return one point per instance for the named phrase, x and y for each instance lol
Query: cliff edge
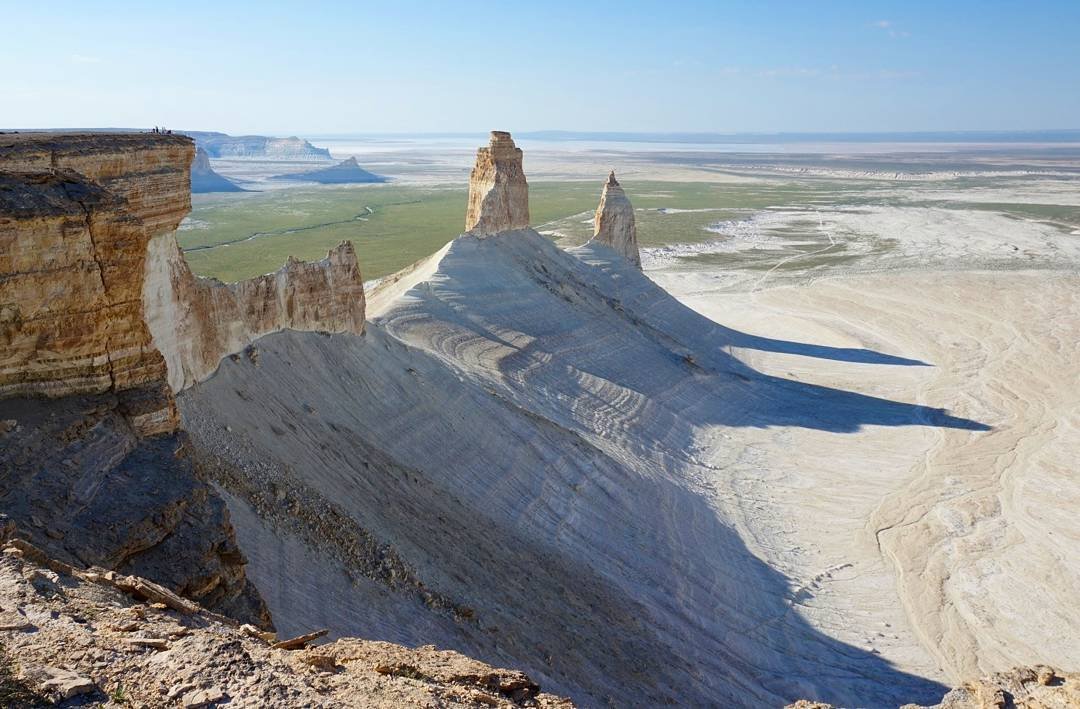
(101, 321)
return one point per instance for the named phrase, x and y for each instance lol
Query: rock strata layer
(197, 321)
(498, 192)
(100, 320)
(80, 482)
(613, 225)
(76, 215)
(89, 258)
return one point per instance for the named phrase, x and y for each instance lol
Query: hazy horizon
(1044, 135)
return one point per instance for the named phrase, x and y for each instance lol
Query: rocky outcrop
(79, 481)
(498, 192)
(613, 225)
(76, 215)
(198, 321)
(257, 147)
(90, 258)
(149, 171)
(204, 179)
(1038, 686)
(346, 172)
(89, 636)
(98, 314)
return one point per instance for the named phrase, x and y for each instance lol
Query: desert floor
(950, 552)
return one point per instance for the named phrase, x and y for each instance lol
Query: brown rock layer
(76, 215)
(98, 473)
(89, 259)
(613, 225)
(150, 171)
(498, 192)
(197, 321)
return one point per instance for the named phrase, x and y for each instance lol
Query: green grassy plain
(235, 236)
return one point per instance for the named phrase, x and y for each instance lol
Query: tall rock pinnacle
(614, 222)
(498, 192)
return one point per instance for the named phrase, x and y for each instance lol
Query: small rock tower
(613, 225)
(498, 192)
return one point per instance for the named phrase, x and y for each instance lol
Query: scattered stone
(1046, 676)
(219, 663)
(156, 643)
(252, 632)
(179, 690)
(61, 683)
(203, 697)
(323, 663)
(300, 640)
(159, 596)
(1039, 686)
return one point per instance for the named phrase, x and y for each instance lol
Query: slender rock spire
(613, 225)
(498, 192)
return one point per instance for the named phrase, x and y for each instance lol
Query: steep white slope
(535, 435)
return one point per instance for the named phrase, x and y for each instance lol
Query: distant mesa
(345, 172)
(204, 179)
(256, 147)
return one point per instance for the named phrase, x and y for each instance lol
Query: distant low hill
(345, 172)
(261, 147)
(204, 179)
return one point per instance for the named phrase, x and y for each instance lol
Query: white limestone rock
(613, 225)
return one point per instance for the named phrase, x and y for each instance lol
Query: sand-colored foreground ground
(950, 552)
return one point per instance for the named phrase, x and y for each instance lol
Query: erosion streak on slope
(546, 427)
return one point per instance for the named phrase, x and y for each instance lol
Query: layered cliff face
(197, 321)
(148, 170)
(98, 314)
(613, 225)
(76, 215)
(498, 192)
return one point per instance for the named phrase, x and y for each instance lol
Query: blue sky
(353, 67)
